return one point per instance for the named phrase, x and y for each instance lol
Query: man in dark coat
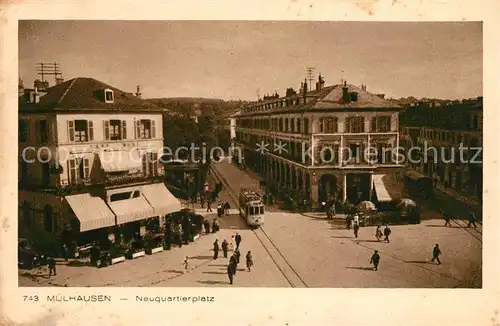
(237, 255)
(447, 218)
(231, 271)
(216, 249)
(375, 260)
(435, 254)
(206, 224)
(224, 247)
(387, 233)
(237, 239)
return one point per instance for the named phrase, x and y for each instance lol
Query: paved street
(324, 254)
(297, 250)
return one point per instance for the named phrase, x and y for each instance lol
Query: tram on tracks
(251, 207)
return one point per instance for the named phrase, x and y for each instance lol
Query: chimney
(320, 84)
(138, 94)
(304, 94)
(346, 97)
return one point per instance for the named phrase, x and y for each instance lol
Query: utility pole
(49, 69)
(310, 75)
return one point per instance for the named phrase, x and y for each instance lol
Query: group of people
(436, 252)
(223, 209)
(234, 260)
(471, 218)
(214, 227)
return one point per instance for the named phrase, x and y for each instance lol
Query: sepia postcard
(292, 163)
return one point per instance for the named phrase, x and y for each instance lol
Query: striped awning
(161, 199)
(131, 210)
(380, 189)
(91, 212)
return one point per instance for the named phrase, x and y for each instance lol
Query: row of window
(325, 125)
(449, 136)
(276, 104)
(83, 130)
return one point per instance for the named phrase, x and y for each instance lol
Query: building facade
(89, 159)
(439, 132)
(332, 142)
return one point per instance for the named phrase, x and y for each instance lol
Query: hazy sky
(235, 60)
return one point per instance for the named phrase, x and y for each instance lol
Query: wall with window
(352, 122)
(99, 128)
(37, 129)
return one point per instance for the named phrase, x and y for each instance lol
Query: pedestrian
(237, 256)
(231, 271)
(447, 218)
(52, 266)
(348, 221)
(224, 248)
(206, 224)
(227, 207)
(65, 252)
(232, 260)
(356, 229)
(209, 209)
(231, 243)
(216, 249)
(356, 218)
(219, 210)
(435, 254)
(216, 226)
(375, 260)
(387, 233)
(202, 199)
(472, 219)
(237, 238)
(249, 260)
(378, 233)
(186, 264)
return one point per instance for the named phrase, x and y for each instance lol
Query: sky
(240, 60)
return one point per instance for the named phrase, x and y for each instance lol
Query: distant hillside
(196, 106)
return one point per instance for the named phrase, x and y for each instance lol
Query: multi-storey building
(438, 132)
(334, 141)
(89, 159)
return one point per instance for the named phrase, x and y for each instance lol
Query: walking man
(224, 248)
(237, 239)
(472, 219)
(435, 254)
(209, 209)
(237, 255)
(375, 260)
(65, 252)
(52, 266)
(447, 219)
(186, 264)
(231, 270)
(249, 260)
(356, 229)
(216, 249)
(387, 233)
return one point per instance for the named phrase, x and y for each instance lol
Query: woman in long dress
(249, 260)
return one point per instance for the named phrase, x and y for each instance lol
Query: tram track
(285, 268)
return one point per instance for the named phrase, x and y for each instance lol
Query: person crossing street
(435, 254)
(375, 260)
(216, 249)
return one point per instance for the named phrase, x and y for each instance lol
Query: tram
(251, 207)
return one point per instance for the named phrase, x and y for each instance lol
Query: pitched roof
(331, 98)
(83, 94)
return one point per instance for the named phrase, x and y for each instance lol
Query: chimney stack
(346, 97)
(138, 94)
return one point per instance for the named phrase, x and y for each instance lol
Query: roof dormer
(109, 95)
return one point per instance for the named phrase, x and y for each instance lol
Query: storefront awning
(92, 212)
(120, 161)
(161, 199)
(380, 189)
(131, 210)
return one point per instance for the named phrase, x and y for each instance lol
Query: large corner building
(317, 142)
